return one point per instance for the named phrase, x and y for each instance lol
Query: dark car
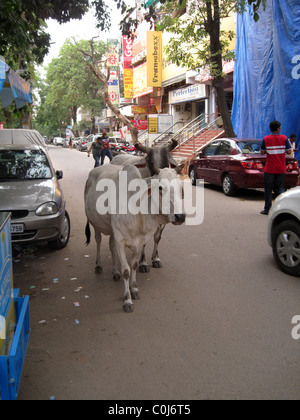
(236, 163)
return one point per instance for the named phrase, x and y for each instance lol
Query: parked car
(236, 163)
(284, 231)
(58, 141)
(30, 191)
(82, 145)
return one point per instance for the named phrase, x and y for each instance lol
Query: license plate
(17, 228)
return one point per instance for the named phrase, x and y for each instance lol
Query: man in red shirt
(275, 146)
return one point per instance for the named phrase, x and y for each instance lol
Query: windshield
(246, 147)
(24, 165)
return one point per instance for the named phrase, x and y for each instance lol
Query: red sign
(1, 126)
(141, 124)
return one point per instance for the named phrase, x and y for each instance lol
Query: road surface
(214, 323)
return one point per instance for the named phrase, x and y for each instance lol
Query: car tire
(286, 247)
(64, 236)
(228, 186)
(193, 176)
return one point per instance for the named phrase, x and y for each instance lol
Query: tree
(98, 65)
(70, 85)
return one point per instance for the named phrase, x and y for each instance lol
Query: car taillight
(250, 164)
(292, 166)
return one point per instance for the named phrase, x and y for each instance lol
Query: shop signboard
(154, 58)
(190, 93)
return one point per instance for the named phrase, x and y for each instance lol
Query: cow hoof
(156, 264)
(98, 269)
(117, 277)
(144, 268)
(128, 307)
(135, 295)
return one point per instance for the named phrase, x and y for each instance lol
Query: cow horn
(172, 145)
(154, 169)
(179, 168)
(141, 148)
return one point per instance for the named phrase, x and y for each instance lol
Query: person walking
(275, 146)
(96, 147)
(292, 140)
(105, 147)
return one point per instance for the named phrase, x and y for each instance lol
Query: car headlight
(47, 209)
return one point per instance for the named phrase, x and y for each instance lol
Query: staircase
(189, 149)
(193, 136)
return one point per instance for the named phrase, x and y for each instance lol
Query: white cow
(127, 230)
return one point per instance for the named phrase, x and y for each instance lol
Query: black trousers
(273, 182)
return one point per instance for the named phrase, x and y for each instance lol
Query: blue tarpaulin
(13, 87)
(267, 71)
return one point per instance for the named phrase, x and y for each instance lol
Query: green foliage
(68, 86)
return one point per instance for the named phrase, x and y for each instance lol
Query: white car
(284, 231)
(58, 141)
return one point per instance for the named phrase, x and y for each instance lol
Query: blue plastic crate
(11, 365)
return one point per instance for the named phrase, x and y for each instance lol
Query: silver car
(284, 231)
(30, 190)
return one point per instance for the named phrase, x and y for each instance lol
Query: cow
(131, 230)
(159, 157)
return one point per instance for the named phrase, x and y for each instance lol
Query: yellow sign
(153, 124)
(140, 87)
(128, 83)
(154, 59)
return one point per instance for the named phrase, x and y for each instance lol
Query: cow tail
(88, 233)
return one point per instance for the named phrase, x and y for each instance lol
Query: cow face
(158, 156)
(167, 195)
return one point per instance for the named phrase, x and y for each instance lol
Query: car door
(203, 166)
(219, 161)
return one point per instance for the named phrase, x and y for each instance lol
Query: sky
(81, 29)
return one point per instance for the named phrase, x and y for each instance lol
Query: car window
(223, 149)
(246, 147)
(211, 149)
(24, 165)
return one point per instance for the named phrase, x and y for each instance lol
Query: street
(214, 323)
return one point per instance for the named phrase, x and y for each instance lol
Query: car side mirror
(59, 174)
(200, 155)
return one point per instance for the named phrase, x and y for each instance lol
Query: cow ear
(172, 145)
(179, 168)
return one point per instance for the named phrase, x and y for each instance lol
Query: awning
(13, 87)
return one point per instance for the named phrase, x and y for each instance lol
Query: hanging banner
(113, 52)
(113, 63)
(154, 59)
(128, 71)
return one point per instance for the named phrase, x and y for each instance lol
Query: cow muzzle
(179, 219)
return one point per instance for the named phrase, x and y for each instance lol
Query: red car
(236, 163)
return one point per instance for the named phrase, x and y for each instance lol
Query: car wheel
(193, 176)
(229, 188)
(286, 247)
(64, 236)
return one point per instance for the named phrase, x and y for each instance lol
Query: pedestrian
(275, 146)
(292, 140)
(96, 147)
(105, 147)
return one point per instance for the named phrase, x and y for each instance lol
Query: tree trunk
(213, 28)
(223, 107)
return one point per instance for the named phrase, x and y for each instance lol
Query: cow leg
(157, 237)
(133, 284)
(98, 239)
(144, 268)
(116, 270)
(125, 273)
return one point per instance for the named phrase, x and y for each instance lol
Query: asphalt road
(214, 323)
